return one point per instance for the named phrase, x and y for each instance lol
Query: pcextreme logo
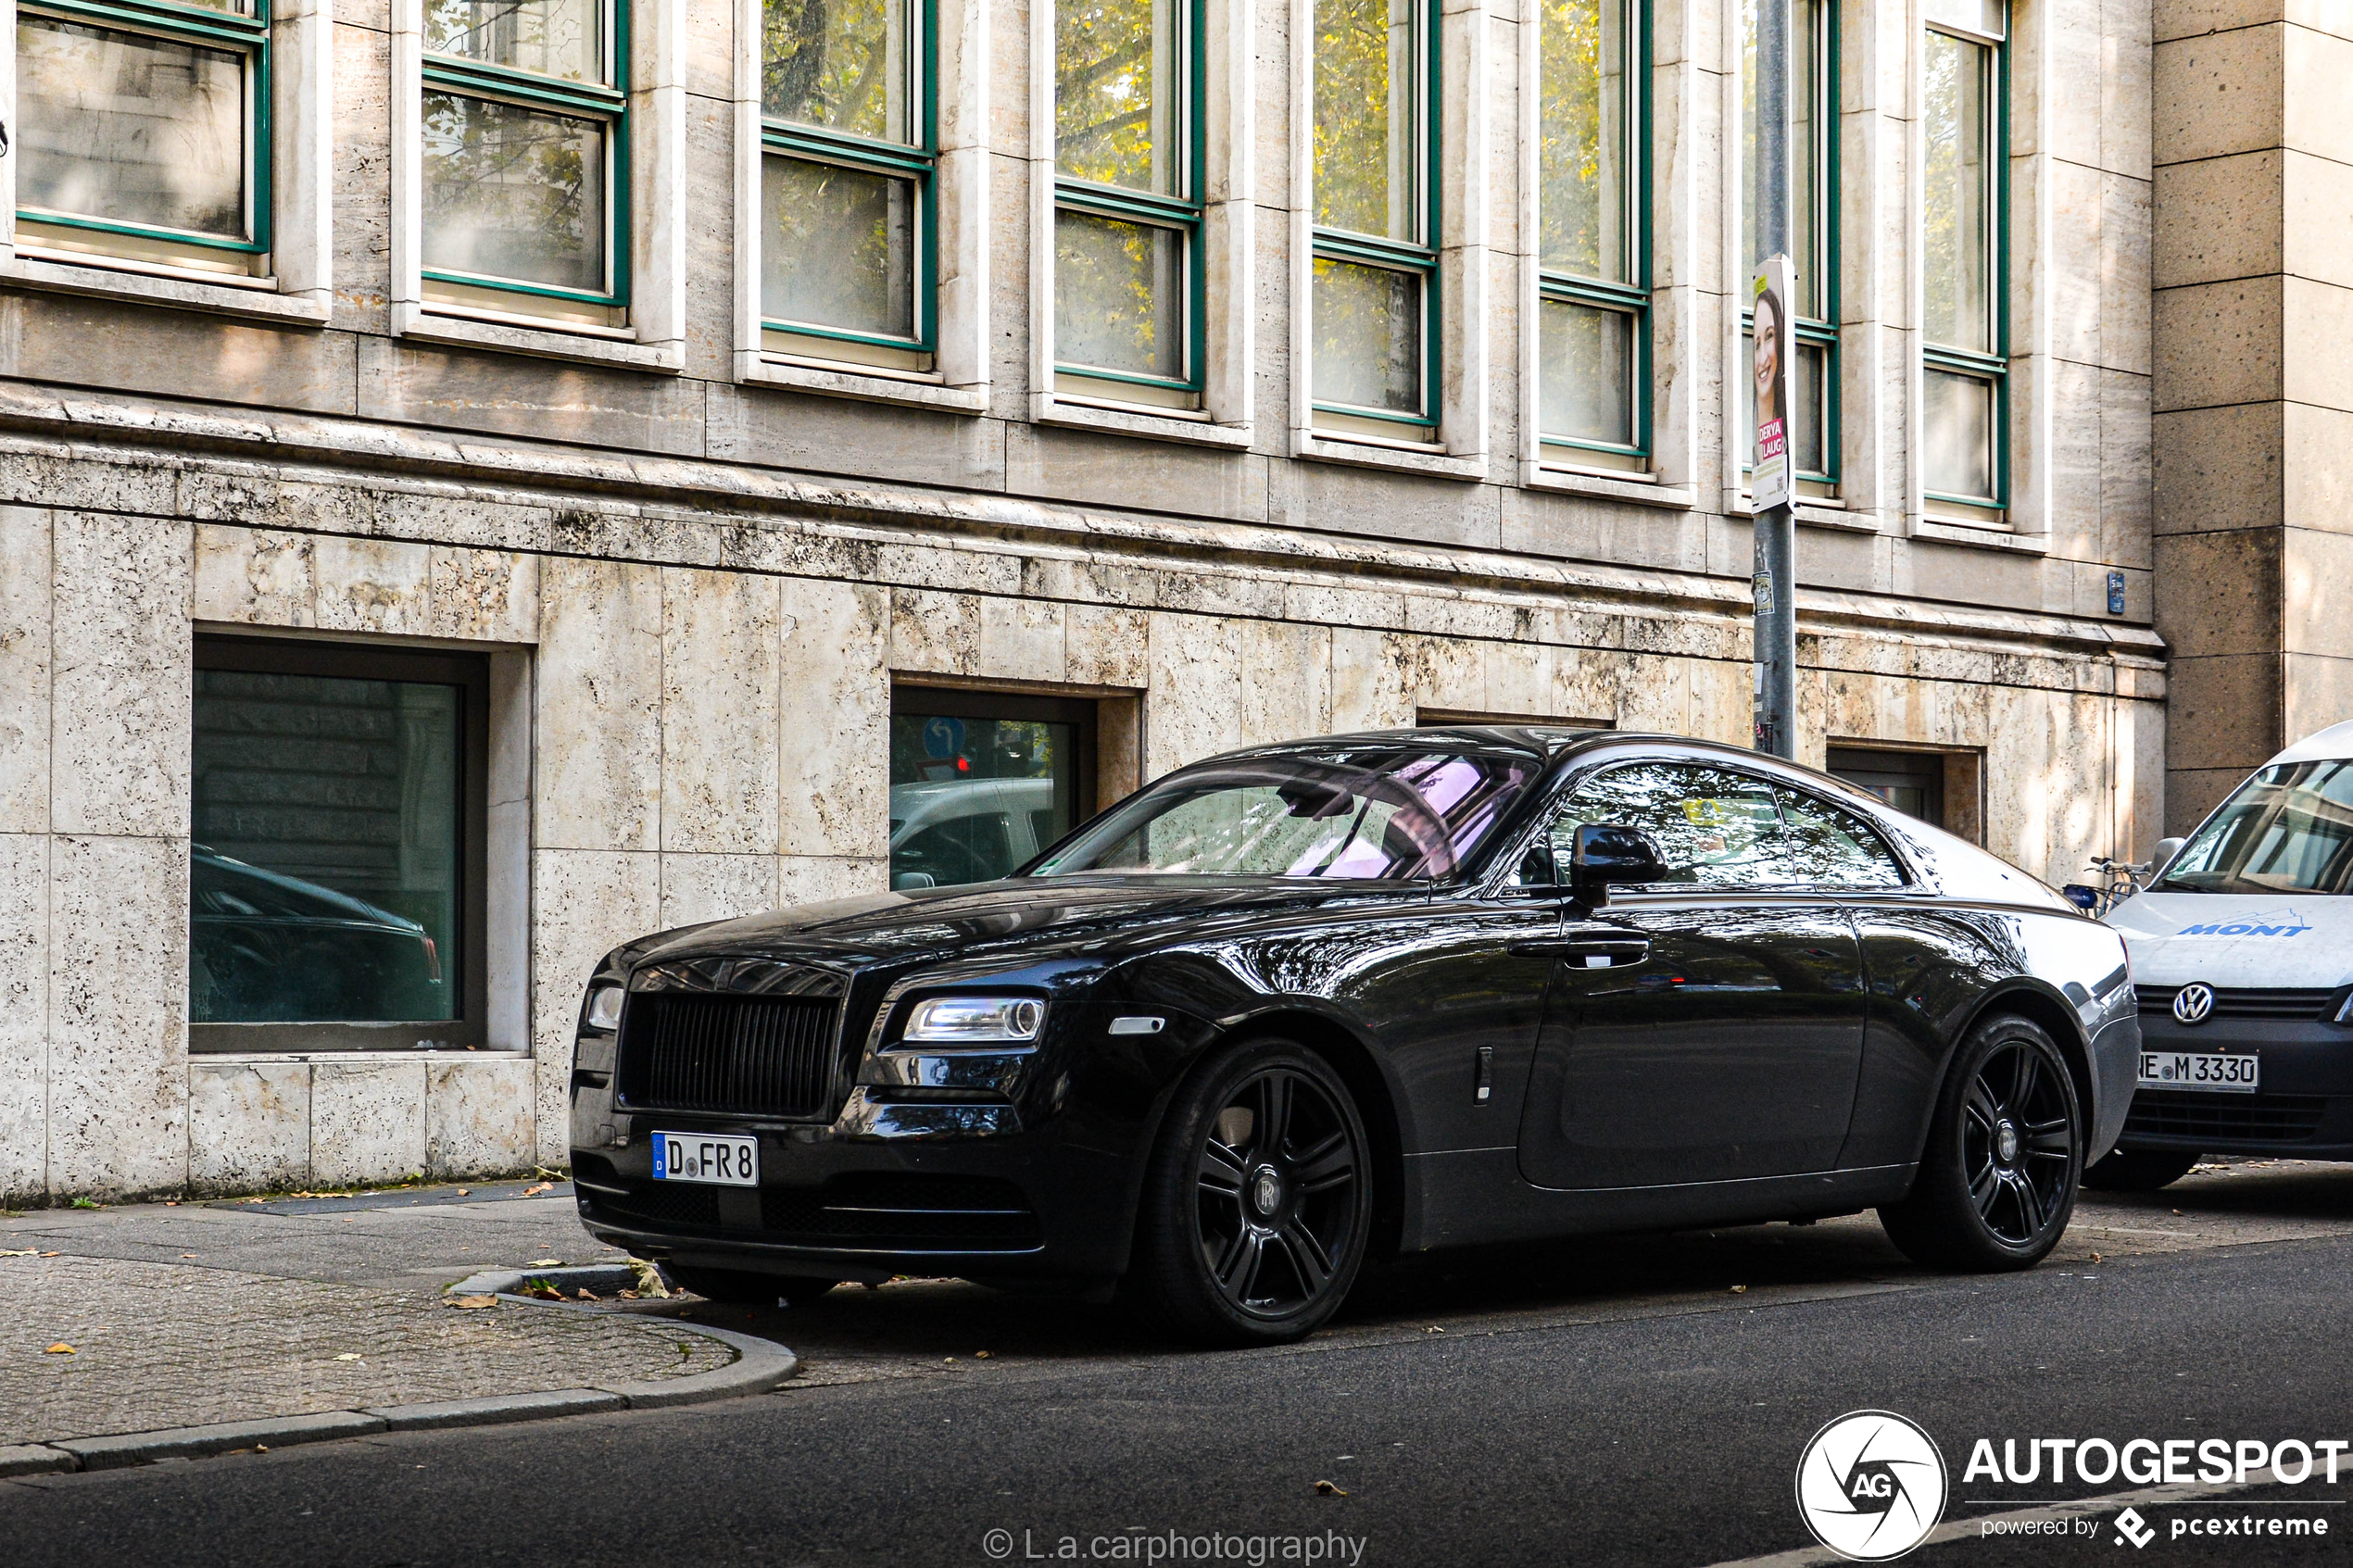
(1871, 1486)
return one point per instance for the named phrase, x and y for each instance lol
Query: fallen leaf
(1330, 1489)
(60, 1348)
(542, 1186)
(261, 1448)
(2097, 1258)
(980, 1355)
(475, 1303)
(588, 1294)
(49, 1254)
(1433, 1328)
(950, 1359)
(629, 1296)
(465, 1192)
(1740, 1290)
(540, 1290)
(347, 1356)
(187, 1254)
(19, 1252)
(545, 1263)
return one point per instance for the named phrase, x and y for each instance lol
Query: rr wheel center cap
(1267, 1190)
(2006, 1143)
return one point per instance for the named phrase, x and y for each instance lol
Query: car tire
(1256, 1206)
(2004, 1153)
(2133, 1170)
(746, 1287)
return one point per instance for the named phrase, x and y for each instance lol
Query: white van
(2242, 953)
(956, 830)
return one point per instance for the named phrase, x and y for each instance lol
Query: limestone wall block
(100, 482)
(1336, 604)
(118, 1007)
(961, 571)
(1193, 703)
(833, 730)
(659, 537)
(120, 675)
(1022, 640)
(934, 633)
(25, 595)
(696, 889)
(599, 691)
(478, 1116)
(373, 586)
(491, 595)
(1211, 591)
(1106, 647)
(253, 576)
(719, 711)
(248, 1126)
(585, 904)
(24, 1015)
(1087, 580)
(366, 1119)
(1520, 681)
(1285, 685)
(822, 878)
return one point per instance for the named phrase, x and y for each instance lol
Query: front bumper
(2303, 1110)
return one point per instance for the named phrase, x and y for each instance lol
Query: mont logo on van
(2238, 928)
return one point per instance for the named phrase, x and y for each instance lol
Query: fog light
(975, 1020)
(603, 1012)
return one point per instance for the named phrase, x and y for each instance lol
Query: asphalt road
(1610, 1402)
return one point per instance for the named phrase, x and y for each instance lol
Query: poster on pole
(1776, 336)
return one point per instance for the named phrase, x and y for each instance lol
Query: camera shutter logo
(1871, 1486)
(2193, 1003)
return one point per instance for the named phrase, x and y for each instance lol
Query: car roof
(2331, 745)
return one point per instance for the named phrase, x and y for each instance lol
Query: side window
(1828, 847)
(1712, 826)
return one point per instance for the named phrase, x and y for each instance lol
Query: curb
(760, 1365)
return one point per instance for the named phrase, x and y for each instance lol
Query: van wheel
(2004, 1153)
(2132, 1170)
(1257, 1205)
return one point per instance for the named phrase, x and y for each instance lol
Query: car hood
(2294, 941)
(1102, 912)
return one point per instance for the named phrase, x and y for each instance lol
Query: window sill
(1045, 409)
(1612, 487)
(161, 285)
(1982, 538)
(1431, 459)
(866, 383)
(412, 320)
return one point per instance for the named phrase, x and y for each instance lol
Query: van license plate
(716, 1158)
(2234, 1072)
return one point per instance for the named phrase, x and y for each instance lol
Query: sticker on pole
(1776, 334)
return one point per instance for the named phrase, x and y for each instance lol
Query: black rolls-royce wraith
(1303, 1005)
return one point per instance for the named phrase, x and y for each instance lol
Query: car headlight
(603, 1012)
(959, 1021)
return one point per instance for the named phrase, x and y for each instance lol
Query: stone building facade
(2253, 269)
(688, 563)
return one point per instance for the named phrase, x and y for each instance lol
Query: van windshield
(1381, 813)
(2289, 829)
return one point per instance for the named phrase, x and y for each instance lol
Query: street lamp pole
(1775, 583)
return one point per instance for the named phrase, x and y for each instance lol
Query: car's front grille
(2244, 1001)
(877, 1213)
(741, 1055)
(2224, 1118)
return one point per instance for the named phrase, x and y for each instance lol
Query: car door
(1705, 1029)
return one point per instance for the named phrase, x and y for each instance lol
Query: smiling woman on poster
(1769, 360)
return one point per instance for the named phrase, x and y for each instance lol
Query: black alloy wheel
(1258, 1202)
(2138, 1170)
(1997, 1180)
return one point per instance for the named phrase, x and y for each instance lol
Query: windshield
(1385, 813)
(2289, 829)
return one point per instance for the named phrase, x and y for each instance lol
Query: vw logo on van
(2193, 1003)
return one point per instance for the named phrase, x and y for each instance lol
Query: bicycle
(2115, 881)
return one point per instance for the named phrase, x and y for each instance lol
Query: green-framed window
(1963, 232)
(1592, 239)
(524, 163)
(1813, 231)
(1128, 283)
(142, 130)
(848, 180)
(1374, 305)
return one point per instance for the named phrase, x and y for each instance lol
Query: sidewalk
(199, 1314)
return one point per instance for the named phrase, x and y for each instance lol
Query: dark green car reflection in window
(323, 881)
(972, 798)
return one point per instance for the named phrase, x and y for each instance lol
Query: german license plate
(2228, 1072)
(716, 1158)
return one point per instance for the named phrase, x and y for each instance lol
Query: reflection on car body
(958, 831)
(1292, 1008)
(270, 948)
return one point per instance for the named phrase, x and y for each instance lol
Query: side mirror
(907, 880)
(1605, 853)
(2162, 855)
